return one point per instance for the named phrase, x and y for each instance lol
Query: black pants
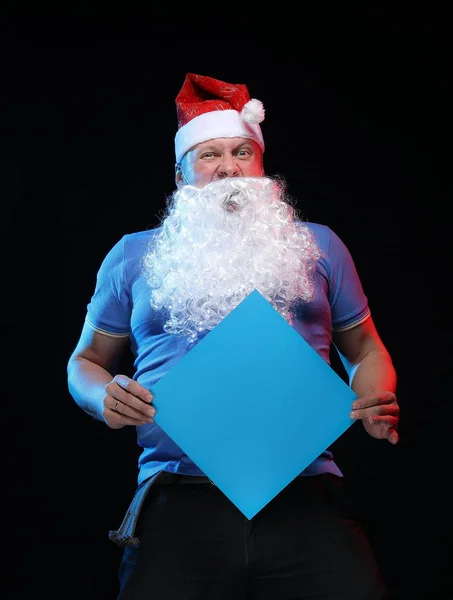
(307, 543)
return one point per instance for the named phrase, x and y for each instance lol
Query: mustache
(229, 196)
(231, 203)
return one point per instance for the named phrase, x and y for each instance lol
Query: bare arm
(116, 400)
(374, 381)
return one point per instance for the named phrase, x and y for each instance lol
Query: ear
(178, 176)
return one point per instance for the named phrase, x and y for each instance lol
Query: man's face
(220, 158)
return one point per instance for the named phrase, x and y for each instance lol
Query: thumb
(392, 436)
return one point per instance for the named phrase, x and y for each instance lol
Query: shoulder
(126, 254)
(318, 229)
(334, 252)
(140, 237)
(323, 234)
(135, 243)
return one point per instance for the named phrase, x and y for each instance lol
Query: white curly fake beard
(219, 243)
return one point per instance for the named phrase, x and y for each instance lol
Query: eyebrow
(235, 148)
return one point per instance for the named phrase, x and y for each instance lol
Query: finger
(392, 436)
(388, 425)
(134, 388)
(126, 410)
(130, 405)
(374, 400)
(124, 389)
(384, 410)
(389, 420)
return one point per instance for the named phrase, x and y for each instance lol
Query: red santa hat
(208, 108)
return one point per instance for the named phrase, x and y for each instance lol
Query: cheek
(202, 174)
(253, 169)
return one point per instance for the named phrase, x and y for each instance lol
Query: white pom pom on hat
(253, 111)
(209, 108)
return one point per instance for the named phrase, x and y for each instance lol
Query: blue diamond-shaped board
(252, 404)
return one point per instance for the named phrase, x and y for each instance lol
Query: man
(229, 230)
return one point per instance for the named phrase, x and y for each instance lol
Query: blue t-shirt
(120, 306)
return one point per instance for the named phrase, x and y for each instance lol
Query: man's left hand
(379, 414)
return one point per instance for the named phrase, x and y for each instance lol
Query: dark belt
(166, 478)
(124, 535)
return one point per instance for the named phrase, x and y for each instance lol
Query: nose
(228, 167)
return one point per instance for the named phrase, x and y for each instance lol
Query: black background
(358, 120)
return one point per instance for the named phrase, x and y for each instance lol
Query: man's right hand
(127, 403)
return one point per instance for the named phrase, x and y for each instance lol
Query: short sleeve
(347, 299)
(109, 309)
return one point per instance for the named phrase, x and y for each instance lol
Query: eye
(207, 155)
